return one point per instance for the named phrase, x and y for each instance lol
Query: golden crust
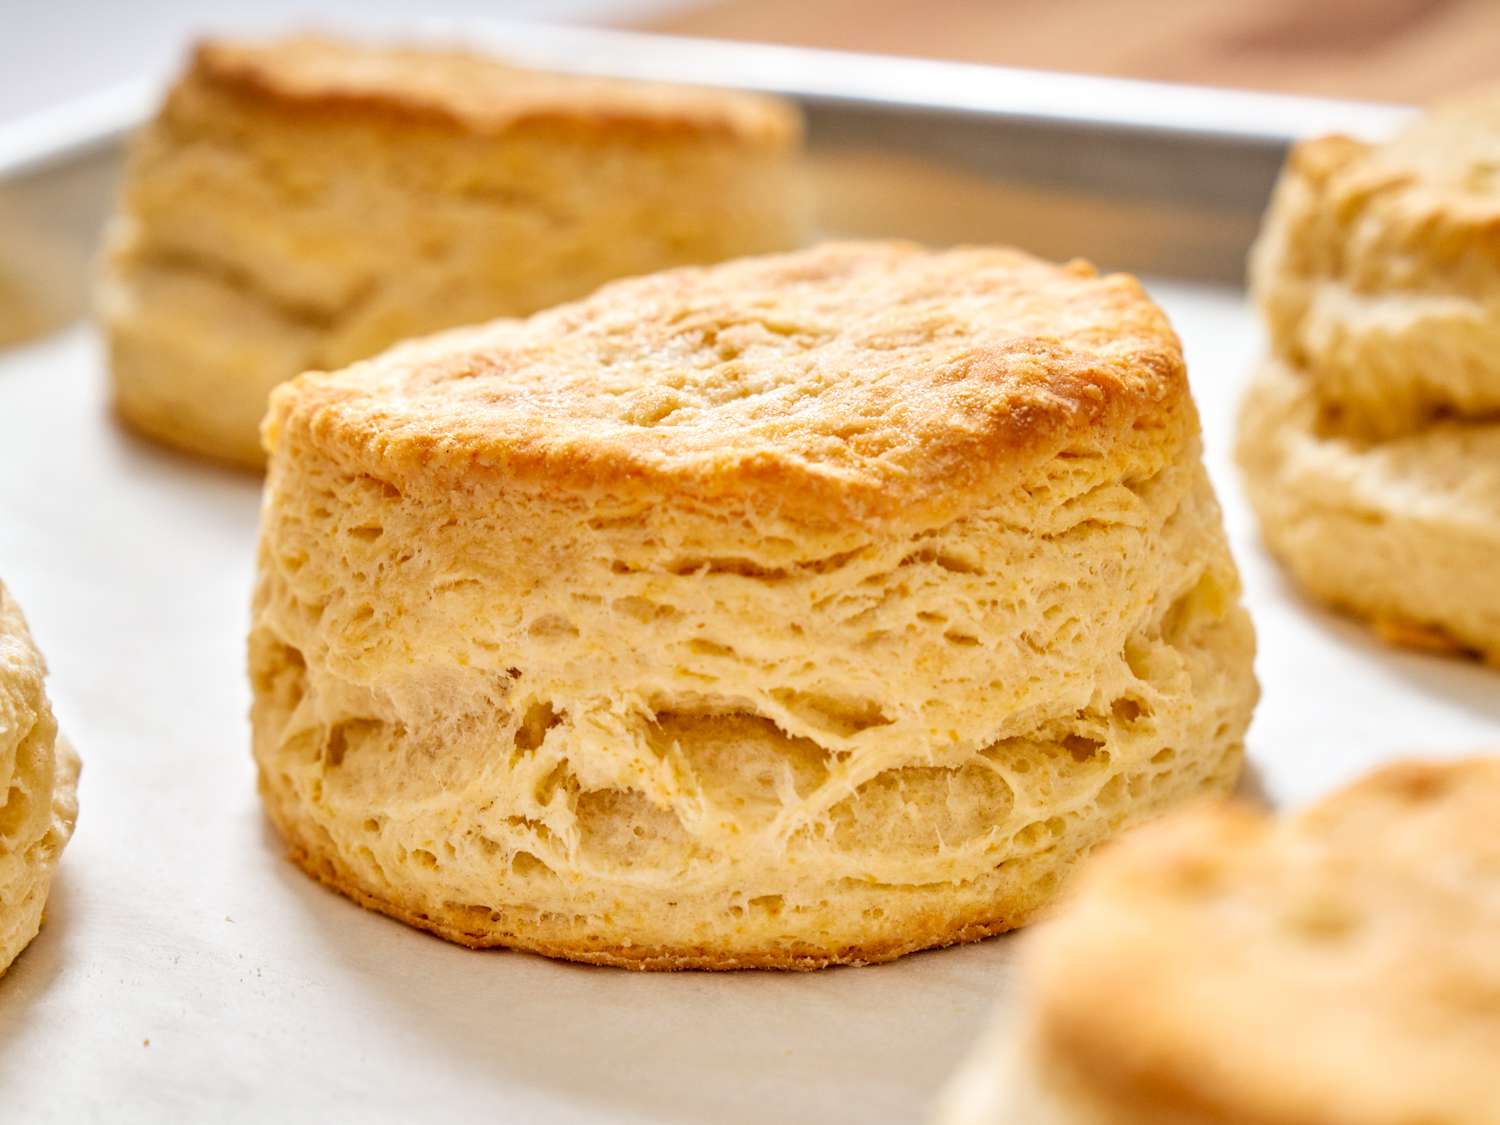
(311, 74)
(849, 378)
(1336, 967)
(932, 930)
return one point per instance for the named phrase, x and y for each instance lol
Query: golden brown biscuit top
(856, 376)
(474, 92)
(1342, 966)
(1433, 189)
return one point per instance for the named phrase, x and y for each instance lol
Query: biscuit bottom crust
(1402, 533)
(561, 938)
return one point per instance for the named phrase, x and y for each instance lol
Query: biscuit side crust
(931, 927)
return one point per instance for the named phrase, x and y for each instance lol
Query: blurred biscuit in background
(302, 203)
(1370, 439)
(1225, 966)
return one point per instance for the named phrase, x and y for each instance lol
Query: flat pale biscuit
(1404, 533)
(303, 203)
(38, 784)
(1338, 967)
(806, 609)
(1378, 270)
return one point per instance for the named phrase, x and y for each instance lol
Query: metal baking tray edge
(1150, 177)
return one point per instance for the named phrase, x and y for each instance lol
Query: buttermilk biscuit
(1337, 968)
(1370, 439)
(304, 203)
(38, 783)
(1378, 270)
(807, 609)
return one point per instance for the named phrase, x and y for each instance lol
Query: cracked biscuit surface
(38, 786)
(303, 203)
(1370, 439)
(1223, 967)
(806, 609)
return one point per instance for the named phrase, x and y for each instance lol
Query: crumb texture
(38, 786)
(1220, 966)
(303, 204)
(631, 709)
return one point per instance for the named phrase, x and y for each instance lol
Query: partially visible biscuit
(38, 781)
(1378, 270)
(1337, 967)
(303, 203)
(806, 609)
(1404, 533)
(1370, 439)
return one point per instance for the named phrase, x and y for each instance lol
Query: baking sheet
(187, 972)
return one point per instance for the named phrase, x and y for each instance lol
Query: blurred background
(1383, 50)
